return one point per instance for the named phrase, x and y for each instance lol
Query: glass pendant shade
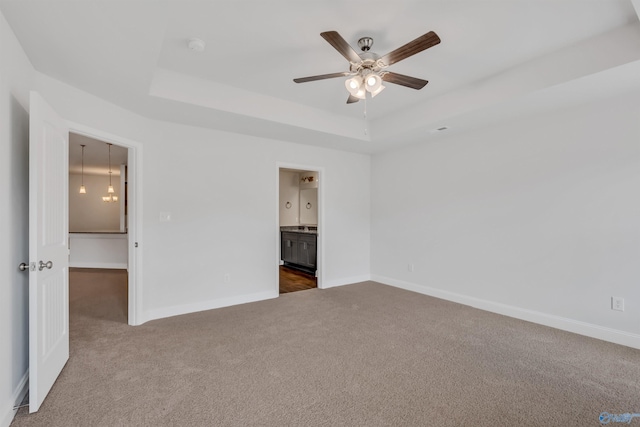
(83, 190)
(110, 197)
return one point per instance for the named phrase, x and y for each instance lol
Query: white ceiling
(495, 56)
(96, 156)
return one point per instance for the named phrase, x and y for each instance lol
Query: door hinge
(135, 244)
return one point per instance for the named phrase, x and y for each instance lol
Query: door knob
(23, 266)
(43, 265)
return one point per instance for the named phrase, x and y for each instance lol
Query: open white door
(48, 248)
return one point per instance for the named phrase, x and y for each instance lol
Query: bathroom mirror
(309, 206)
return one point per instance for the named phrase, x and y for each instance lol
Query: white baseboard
(112, 265)
(176, 310)
(346, 281)
(570, 325)
(18, 395)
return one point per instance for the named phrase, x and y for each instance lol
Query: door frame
(134, 208)
(321, 226)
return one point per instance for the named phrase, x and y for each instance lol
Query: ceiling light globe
(374, 82)
(353, 85)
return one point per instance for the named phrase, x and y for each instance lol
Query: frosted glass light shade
(83, 190)
(377, 91)
(110, 189)
(355, 87)
(374, 82)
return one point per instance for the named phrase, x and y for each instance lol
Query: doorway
(299, 216)
(98, 200)
(126, 162)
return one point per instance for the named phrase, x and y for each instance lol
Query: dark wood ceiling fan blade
(423, 42)
(401, 79)
(352, 99)
(321, 77)
(341, 46)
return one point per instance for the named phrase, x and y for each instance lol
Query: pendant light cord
(110, 166)
(82, 180)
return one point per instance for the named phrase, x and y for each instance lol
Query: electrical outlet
(165, 216)
(617, 303)
(410, 268)
(227, 278)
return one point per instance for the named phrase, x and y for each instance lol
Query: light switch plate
(617, 303)
(165, 216)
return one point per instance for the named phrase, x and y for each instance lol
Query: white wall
(16, 77)
(87, 212)
(216, 229)
(289, 192)
(537, 218)
(89, 250)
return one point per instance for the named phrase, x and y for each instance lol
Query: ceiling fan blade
(341, 46)
(352, 99)
(321, 77)
(401, 79)
(423, 42)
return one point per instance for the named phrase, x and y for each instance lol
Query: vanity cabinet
(299, 250)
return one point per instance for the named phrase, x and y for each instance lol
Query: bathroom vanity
(299, 247)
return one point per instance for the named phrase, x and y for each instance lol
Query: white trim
(134, 231)
(346, 281)
(18, 396)
(570, 325)
(176, 310)
(112, 265)
(320, 264)
(94, 236)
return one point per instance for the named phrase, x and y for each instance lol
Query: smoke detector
(196, 45)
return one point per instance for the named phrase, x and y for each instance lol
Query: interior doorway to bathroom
(298, 229)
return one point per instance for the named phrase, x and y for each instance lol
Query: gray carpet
(359, 355)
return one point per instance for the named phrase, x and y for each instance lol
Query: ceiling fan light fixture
(377, 91)
(367, 69)
(355, 86)
(374, 82)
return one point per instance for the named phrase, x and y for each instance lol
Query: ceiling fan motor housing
(365, 43)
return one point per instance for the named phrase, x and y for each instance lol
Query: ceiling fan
(368, 70)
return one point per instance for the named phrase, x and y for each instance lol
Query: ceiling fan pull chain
(365, 116)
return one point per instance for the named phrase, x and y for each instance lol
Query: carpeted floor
(358, 355)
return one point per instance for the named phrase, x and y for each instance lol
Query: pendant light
(82, 189)
(110, 197)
